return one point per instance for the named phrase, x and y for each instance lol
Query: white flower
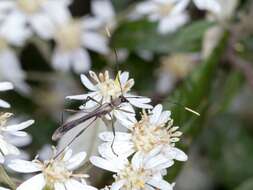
(37, 15)
(209, 5)
(72, 37)
(3, 87)
(104, 15)
(105, 89)
(141, 173)
(10, 68)
(171, 14)
(56, 173)
(153, 134)
(174, 68)
(8, 132)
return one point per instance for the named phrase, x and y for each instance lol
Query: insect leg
(125, 111)
(92, 99)
(114, 135)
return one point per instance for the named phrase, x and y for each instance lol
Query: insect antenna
(116, 61)
(186, 108)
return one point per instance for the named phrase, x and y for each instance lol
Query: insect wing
(72, 122)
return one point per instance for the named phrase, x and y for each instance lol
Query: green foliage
(247, 185)
(228, 144)
(194, 93)
(143, 35)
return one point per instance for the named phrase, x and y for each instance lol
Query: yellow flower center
(3, 44)
(56, 172)
(147, 136)
(3, 118)
(68, 36)
(180, 65)
(30, 6)
(136, 179)
(165, 9)
(109, 87)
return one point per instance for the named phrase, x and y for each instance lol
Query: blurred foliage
(142, 35)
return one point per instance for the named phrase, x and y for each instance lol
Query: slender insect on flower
(8, 132)
(108, 98)
(56, 173)
(3, 87)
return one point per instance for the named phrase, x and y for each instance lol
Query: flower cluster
(139, 157)
(172, 14)
(28, 20)
(56, 173)
(51, 20)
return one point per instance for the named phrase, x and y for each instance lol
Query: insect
(101, 111)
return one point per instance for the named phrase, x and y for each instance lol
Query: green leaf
(143, 35)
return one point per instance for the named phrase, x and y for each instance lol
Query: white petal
(42, 25)
(5, 86)
(87, 83)
(210, 5)
(156, 112)
(14, 29)
(146, 7)
(102, 9)
(104, 164)
(59, 186)
(76, 185)
(117, 185)
(177, 154)
(1, 158)
(122, 149)
(24, 166)
(172, 23)
(37, 182)
(137, 160)
(161, 184)
(61, 60)
(138, 104)
(4, 104)
(58, 11)
(8, 59)
(119, 136)
(20, 126)
(91, 23)
(7, 148)
(67, 155)
(81, 61)
(180, 6)
(156, 161)
(164, 117)
(76, 161)
(95, 42)
(124, 77)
